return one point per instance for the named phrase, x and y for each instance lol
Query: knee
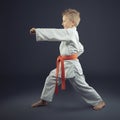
(50, 80)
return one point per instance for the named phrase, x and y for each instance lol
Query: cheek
(67, 24)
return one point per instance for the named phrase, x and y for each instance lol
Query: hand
(32, 31)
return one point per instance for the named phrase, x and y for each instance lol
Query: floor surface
(17, 97)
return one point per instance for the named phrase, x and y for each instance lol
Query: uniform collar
(74, 28)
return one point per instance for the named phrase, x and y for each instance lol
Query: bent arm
(54, 34)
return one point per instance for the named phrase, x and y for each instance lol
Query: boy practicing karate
(68, 66)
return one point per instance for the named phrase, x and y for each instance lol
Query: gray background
(98, 30)
(25, 63)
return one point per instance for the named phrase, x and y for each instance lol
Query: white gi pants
(77, 80)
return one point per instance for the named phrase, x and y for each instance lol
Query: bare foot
(99, 106)
(40, 103)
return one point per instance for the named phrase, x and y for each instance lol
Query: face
(67, 23)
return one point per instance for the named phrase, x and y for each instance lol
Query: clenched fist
(32, 31)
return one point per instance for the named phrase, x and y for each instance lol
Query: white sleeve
(43, 34)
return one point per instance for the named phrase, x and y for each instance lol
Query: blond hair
(73, 15)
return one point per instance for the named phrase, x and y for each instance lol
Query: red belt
(60, 59)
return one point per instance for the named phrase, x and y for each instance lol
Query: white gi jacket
(69, 45)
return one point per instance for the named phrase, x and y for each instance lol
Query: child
(70, 68)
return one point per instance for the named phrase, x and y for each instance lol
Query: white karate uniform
(70, 44)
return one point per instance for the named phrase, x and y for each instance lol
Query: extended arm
(43, 34)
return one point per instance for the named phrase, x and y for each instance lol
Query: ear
(73, 23)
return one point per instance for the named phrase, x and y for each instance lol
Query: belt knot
(60, 59)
